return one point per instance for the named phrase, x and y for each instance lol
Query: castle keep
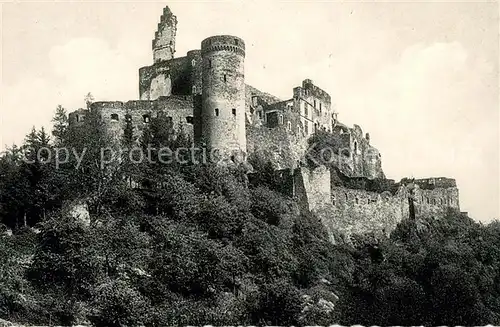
(204, 97)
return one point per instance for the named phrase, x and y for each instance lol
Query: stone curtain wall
(360, 211)
(140, 112)
(283, 149)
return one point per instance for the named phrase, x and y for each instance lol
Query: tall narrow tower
(223, 95)
(164, 41)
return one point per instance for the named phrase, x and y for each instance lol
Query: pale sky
(421, 78)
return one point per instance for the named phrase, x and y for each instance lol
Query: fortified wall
(351, 210)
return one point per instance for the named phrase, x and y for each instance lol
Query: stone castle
(204, 96)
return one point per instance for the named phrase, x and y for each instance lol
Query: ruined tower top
(164, 41)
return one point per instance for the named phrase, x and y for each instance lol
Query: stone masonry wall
(312, 188)
(360, 211)
(140, 112)
(283, 149)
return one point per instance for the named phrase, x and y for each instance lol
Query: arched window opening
(217, 112)
(233, 112)
(114, 117)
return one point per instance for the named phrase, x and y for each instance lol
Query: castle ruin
(203, 95)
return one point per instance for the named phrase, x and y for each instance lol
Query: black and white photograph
(249, 163)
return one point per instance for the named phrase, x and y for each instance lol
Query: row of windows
(146, 118)
(356, 199)
(306, 111)
(434, 201)
(216, 111)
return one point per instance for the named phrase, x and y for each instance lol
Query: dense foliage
(198, 244)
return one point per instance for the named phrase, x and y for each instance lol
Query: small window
(234, 112)
(305, 109)
(114, 117)
(128, 118)
(260, 114)
(77, 118)
(236, 42)
(357, 201)
(333, 199)
(355, 146)
(146, 118)
(193, 62)
(314, 103)
(210, 63)
(346, 197)
(216, 112)
(281, 119)
(289, 126)
(225, 78)
(189, 119)
(320, 107)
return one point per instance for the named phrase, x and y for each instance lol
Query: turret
(223, 95)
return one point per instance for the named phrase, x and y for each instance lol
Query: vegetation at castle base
(202, 245)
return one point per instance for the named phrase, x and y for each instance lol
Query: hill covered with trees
(197, 244)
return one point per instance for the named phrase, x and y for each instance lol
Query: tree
(60, 126)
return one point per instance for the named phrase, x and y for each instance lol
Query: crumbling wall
(360, 212)
(312, 188)
(432, 202)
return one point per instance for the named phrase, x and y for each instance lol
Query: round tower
(223, 96)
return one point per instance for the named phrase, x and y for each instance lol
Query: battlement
(223, 42)
(106, 104)
(431, 183)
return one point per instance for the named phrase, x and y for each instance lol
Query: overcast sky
(421, 78)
